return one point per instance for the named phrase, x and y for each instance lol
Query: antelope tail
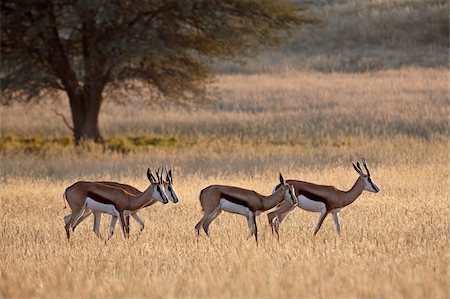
(64, 199)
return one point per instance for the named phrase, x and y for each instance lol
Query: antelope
(108, 199)
(323, 199)
(98, 215)
(168, 187)
(217, 198)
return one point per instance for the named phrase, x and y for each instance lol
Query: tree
(82, 47)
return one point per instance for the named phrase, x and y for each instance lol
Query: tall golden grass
(410, 102)
(307, 125)
(394, 244)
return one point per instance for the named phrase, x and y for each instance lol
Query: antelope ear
(150, 176)
(356, 169)
(281, 179)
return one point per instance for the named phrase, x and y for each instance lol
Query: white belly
(310, 205)
(101, 207)
(234, 208)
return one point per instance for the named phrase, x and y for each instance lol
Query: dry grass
(410, 102)
(309, 125)
(394, 244)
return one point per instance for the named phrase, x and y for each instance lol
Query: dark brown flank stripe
(234, 199)
(99, 198)
(313, 196)
(237, 201)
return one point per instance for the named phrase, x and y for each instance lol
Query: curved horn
(167, 174)
(159, 175)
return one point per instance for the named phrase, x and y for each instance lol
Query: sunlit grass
(309, 126)
(394, 243)
(281, 107)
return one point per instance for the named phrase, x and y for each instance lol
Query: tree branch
(64, 119)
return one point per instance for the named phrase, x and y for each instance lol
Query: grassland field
(310, 120)
(309, 126)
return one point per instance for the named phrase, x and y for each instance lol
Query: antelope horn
(167, 174)
(158, 175)
(161, 175)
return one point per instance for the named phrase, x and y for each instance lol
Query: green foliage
(115, 144)
(168, 45)
(33, 145)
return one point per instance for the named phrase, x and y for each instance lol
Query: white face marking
(290, 195)
(157, 195)
(370, 186)
(287, 194)
(101, 207)
(234, 208)
(172, 195)
(310, 205)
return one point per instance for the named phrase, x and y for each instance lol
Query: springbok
(168, 187)
(98, 215)
(248, 203)
(108, 199)
(323, 199)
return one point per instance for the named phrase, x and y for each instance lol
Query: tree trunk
(85, 99)
(94, 80)
(85, 108)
